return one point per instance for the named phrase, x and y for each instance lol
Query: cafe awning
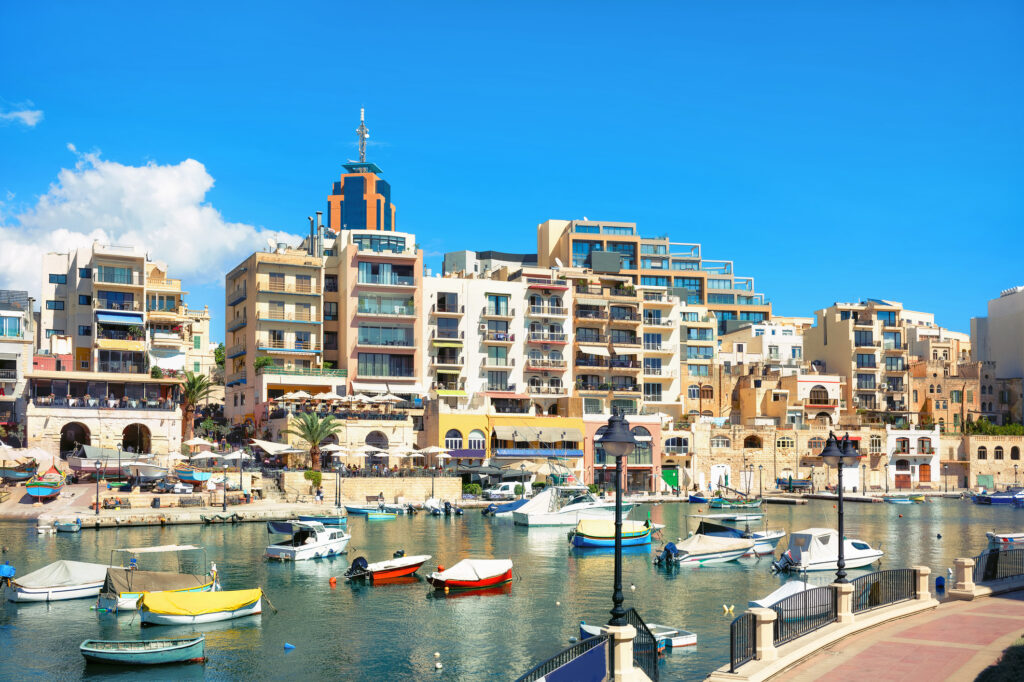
(595, 350)
(619, 350)
(119, 318)
(448, 344)
(524, 434)
(551, 434)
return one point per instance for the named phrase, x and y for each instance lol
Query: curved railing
(566, 656)
(882, 588)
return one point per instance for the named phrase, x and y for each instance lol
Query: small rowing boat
(601, 533)
(472, 574)
(723, 503)
(18, 470)
(145, 652)
(189, 608)
(192, 474)
(68, 526)
(334, 519)
(380, 515)
(360, 510)
(704, 549)
(663, 634)
(396, 567)
(897, 500)
(697, 499)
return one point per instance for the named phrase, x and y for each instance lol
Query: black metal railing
(567, 656)
(645, 646)
(742, 644)
(883, 588)
(804, 612)
(996, 564)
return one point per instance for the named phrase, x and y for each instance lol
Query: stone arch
(377, 439)
(818, 395)
(453, 439)
(74, 434)
(823, 418)
(752, 442)
(136, 438)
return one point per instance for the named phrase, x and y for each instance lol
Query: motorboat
(565, 505)
(503, 510)
(46, 486)
(704, 549)
(190, 608)
(144, 651)
(663, 634)
(17, 470)
(472, 574)
(601, 533)
(1005, 540)
(146, 472)
(725, 503)
(360, 510)
(792, 483)
(397, 566)
(110, 463)
(1008, 496)
(792, 607)
(436, 507)
(451, 509)
(307, 540)
(697, 499)
(58, 581)
(732, 518)
(921, 498)
(817, 549)
(68, 526)
(765, 541)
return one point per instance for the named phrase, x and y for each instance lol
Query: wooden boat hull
(65, 527)
(719, 503)
(17, 593)
(379, 515)
(149, 618)
(463, 585)
(193, 475)
(359, 510)
(697, 499)
(628, 539)
(128, 601)
(19, 473)
(145, 652)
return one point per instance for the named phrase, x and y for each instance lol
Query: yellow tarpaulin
(605, 528)
(197, 603)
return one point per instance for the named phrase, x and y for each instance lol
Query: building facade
(17, 336)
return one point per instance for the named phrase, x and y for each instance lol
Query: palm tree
(314, 431)
(194, 389)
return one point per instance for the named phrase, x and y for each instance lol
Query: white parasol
(195, 442)
(329, 395)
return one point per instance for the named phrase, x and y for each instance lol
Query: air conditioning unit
(483, 327)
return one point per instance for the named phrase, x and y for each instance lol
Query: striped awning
(583, 300)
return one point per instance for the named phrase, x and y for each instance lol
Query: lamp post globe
(618, 441)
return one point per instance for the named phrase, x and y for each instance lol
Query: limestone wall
(355, 490)
(106, 427)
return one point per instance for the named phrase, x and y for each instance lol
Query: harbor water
(390, 632)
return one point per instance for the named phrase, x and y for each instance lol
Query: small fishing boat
(704, 549)
(146, 651)
(897, 500)
(663, 634)
(723, 503)
(396, 567)
(472, 574)
(601, 533)
(697, 499)
(68, 526)
(123, 586)
(58, 581)
(308, 540)
(765, 541)
(1008, 496)
(380, 515)
(434, 506)
(192, 474)
(146, 472)
(792, 483)
(794, 609)
(46, 486)
(190, 608)
(817, 549)
(917, 498)
(360, 509)
(15, 471)
(335, 519)
(565, 505)
(1005, 540)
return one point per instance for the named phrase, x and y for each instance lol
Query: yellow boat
(188, 608)
(917, 498)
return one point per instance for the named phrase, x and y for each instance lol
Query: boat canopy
(476, 569)
(198, 603)
(63, 573)
(817, 544)
(707, 528)
(605, 528)
(292, 527)
(121, 580)
(707, 544)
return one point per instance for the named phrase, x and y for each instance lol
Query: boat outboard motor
(489, 510)
(668, 554)
(357, 569)
(6, 574)
(784, 562)
(410, 510)
(458, 511)
(399, 554)
(447, 508)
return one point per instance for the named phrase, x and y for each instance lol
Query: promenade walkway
(954, 641)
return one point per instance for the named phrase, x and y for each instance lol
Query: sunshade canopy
(120, 580)
(198, 603)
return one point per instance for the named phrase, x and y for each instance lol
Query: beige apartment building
(17, 335)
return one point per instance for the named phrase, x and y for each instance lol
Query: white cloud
(29, 117)
(159, 208)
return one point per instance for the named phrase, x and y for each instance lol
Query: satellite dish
(558, 262)
(272, 244)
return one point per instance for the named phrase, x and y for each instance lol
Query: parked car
(502, 491)
(177, 488)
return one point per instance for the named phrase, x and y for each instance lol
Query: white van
(502, 491)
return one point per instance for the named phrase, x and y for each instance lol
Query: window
(10, 326)
(866, 382)
(887, 317)
(54, 332)
(195, 366)
(330, 311)
(895, 365)
(707, 393)
(997, 453)
(863, 338)
(875, 444)
(652, 281)
(84, 330)
(797, 352)
(330, 283)
(693, 391)
(383, 365)
(197, 341)
(924, 446)
(453, 440)
(816, 445)
(84, 273)
(652, 392)
(719, 283)
(497, 305)
(785, 442)
(1015, 452)
(956, 396)
(697, 370)
(330, 341)
(55, 305)
(699, 352)
(592, 406)
(865, 360)
(982, 452)
(84, 299)
(720, 442)
(721, 298)
(476, 440)
(58, 279)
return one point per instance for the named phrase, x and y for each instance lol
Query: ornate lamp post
(224, 503)
(760, 480)
(522, 479)
(1014, 475)
(836, 453)
(618, 442)
(99, 464)
(886, 478)
(863, 478)
(945, 476)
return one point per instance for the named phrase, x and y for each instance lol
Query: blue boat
(18, 470)
(68, 526)
(1008, 496)
(360, 510)
(192, 475)
(601, 533)
(699, 499)
(332, 520)
(897, 500)
(503, 509)
(146, 651)
(380, 515)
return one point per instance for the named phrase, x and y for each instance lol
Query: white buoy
(558, 603)
(438, 665)
(633, 587)
(437, 654)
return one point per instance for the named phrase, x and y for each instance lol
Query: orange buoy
(440, 568)
(901, 516)
(333, 581)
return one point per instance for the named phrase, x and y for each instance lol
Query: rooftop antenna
(364, 134)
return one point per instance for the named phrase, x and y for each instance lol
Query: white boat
(765, 541)
(739, 518)
(1005, 540)
(125, 582)
(58, 581)
(163, 608)
(308, 540)
(565, 505)
(794, 609)
(111, 462)
(817, 549)
(146, 471)
(662, 633)
(704, 549)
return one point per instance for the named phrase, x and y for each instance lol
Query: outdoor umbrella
(236, 455)
(195, 442)
(433, 450)
(360, 398)
(300, 395)
(332, 447)
(329, 395)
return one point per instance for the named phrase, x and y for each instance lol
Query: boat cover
(476, 569)
(397, 562)
(292, 527)
(63, 573)
(706, 528)
(198, 603)
(605, 528)
(787, 590)
(709, 544)
(15, 463)
(121, 580)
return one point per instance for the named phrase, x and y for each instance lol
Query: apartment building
(777, 346)
(611, 248)
(17, 336)
(866, 344)
(769, 396)
(995, 340)
(945, 393)
(482, 263)
(360, 200)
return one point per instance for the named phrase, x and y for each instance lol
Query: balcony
(8, 375)
(659, 322)
(547, 337)
(820, 404)
(657, 297)
(547, 311)
(635, 341)
(895, 348)
(622, 292)
(631, 319)
(166, 338)
(867, 344)
(103, 304)
(585, 290)
(499, 338)
(500, 388)
(237, 295)
(546, 284)
(312, 289)
(623, 365)
(536, 452)
(163, 284)
(547, 390)
(130, 279)
(122, 367)
(442, 361)
(236, 324)
(626, 388)
(237, 350)
(384, 251)
(677, 450)
(447, 311)
(498, 363)
(591, 387)
(278, 315)
(651, 347)
(394, 311)
(594, 339)
(542, 364)
(663, 372)
(302, 371)
(288, 346)
(386, 281)
(165, 312)
(396, 345)
(591, 362)
(233, 378)
(498, 313)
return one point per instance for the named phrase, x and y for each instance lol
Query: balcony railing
(591, 338)
(80, 403)
(658, 347)
(237, 295)
(237, 323)
(659, 371)
(122, 367)
(548, 310)
(130, 278)
(589, 290)
(114, 335)
(819, 402)
(278, 344)
(501, 388)
(659, 322)
(624, 317)
(446, 361)
(404, 311)
(386, 343)
(591, 362)
(103, 304)
(487, 311)
(548, 337)
(283, 316)
(302, 371)
(545, 363)
(622, 292)
(156, 336)
(235, 377)
(235, 350)
(624, 364)
(8, 374)
(591, 314)
(393, 280)
(499, 337)
(547, 390)
(448, 309)
(293, 288)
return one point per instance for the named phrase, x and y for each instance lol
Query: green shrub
(313, 477)
(538, 485)
(156, 373)
(472, 489)
(520, 489)
(593, 487)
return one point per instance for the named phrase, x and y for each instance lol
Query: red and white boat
(472, 574)
(396, 567)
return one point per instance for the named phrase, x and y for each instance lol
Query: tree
(313, 430)
(262, 362)
(218, 354)
(194, 389)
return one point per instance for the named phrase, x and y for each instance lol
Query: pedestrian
(320, 495)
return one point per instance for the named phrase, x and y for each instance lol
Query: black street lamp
(618, 442)
(1014, 475)
(886, 478)
(945, 476)
(836, 453)
(863, 479)
(99, 464)
(119, 462)
(760, 480)
(224, 503)
(337, 487)
(522, 479)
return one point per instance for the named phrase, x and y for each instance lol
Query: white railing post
(844, 602)
(764, 634)
(922, 573)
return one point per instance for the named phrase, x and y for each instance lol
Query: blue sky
(833, 152)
